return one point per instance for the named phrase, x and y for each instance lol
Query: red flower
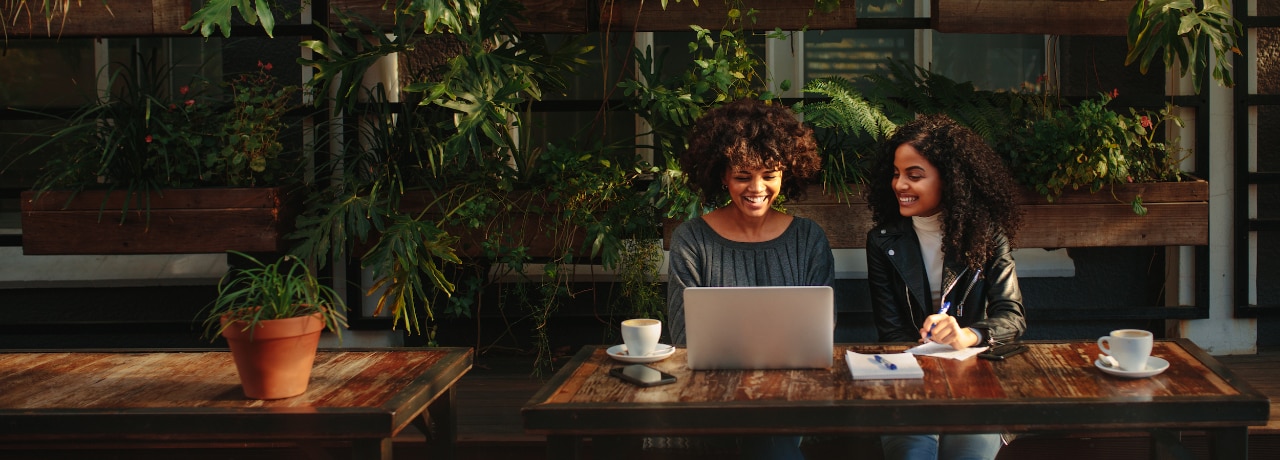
(267, 67)
(1041, 79)
(173, 106)
(1146, 122)
(1115, 92)
(184, 89)
(259, 64)
(190, 102)
(148, 139)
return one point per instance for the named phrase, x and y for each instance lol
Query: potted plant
(272, 315)
(200, 170)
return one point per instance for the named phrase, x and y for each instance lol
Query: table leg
(442, 431)
(564, 447)
(1167, 445)
(371, 449)
(1229, 443)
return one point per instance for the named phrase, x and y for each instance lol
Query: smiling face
(917, 184)
(753, 189)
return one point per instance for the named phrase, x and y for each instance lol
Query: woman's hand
(944, 329)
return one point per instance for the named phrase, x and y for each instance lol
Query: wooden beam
(640, 16)
(1032, 17)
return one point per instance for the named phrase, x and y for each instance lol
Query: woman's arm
(681, 273)
(891, 326)
(1006, 319)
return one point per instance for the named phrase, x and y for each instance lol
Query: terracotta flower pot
(276, 361)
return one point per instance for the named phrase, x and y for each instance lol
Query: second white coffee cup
(641, 335)
(1130, 347)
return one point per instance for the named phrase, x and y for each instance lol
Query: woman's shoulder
(689, 228)
(806, 224)
(893, 227)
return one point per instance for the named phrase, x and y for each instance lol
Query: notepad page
(866, 367)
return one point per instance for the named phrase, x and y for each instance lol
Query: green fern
(847, 110)
(849, 128)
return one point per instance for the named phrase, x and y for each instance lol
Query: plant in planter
(143, 139)
(1049, 146)
(144, 151)
(272, 315)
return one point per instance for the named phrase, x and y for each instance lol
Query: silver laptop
(776, 327)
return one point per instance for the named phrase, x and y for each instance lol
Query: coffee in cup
(1129, 347)
(641, 336)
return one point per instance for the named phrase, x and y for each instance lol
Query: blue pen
(891, 366)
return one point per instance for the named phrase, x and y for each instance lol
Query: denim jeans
(944, 447)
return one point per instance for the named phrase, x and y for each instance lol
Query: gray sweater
(801, 256)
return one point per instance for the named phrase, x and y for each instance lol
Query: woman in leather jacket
(938, 256)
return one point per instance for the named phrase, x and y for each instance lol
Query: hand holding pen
(943, 328)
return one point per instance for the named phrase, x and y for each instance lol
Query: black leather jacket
(989, 301)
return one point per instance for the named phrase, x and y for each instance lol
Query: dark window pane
(854, 53)
(991, 62)
(46, 73)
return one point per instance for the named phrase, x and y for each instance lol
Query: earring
(724, 186)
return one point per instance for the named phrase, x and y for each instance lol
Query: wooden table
(127, 399)
(1053, 387)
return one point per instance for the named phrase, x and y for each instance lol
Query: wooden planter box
(540, 16)
(180, 221)
(636, 15)
(1177, 215)
(1032, 17)
(90, 18)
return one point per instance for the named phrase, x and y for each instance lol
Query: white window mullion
(102, 57)
(784, 59)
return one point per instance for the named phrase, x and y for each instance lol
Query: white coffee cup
(1129, 347)
(641, 335)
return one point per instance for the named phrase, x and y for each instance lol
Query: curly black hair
(749, 133)
(979, 197)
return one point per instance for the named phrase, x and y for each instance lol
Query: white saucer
(1155, 366)
(661, 352)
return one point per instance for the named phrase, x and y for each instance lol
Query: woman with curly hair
(742, 156)
(939, 260)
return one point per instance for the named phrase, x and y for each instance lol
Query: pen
(891, 366)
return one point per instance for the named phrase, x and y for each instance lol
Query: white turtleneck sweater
(929, 231)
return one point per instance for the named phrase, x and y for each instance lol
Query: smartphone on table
(1000, 352)
(642, 375)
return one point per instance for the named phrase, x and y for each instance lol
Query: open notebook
(775, 327)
